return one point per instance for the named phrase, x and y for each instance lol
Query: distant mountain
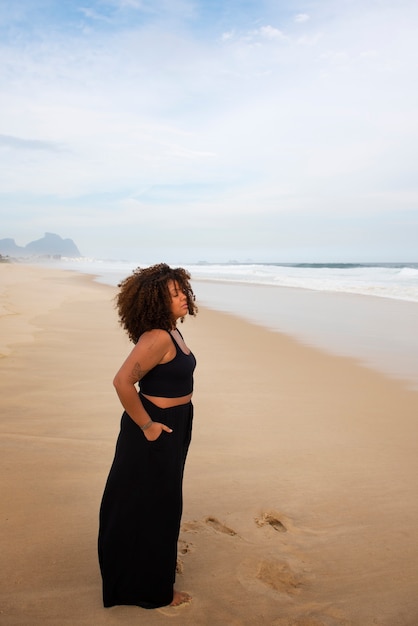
(49, 245)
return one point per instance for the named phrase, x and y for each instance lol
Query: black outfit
(142, 504)
(173, 379)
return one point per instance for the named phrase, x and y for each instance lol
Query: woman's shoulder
(155, 337)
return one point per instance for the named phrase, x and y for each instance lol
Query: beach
(300, 488)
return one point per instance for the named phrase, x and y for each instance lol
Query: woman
(142, 502)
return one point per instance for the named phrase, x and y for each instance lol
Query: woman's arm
(150, 350)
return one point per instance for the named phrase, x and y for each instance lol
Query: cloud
(228, 36)
(269, 32)
(216, 115)
(131, 4)
(301, 18)
(18, 143)
(94, 15)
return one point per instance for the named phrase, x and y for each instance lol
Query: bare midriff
(166, 403)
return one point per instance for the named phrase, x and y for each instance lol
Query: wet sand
(381, 333)
(300, 487)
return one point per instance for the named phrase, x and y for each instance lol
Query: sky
(217, 130)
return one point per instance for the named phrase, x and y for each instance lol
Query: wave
(409, 271)
(387, 280)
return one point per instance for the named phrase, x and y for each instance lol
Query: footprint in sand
(271, 519)
(208, 522)
(275, 574)
(218, 526)
(183, 548)
(278, 576)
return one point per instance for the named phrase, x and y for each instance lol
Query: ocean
(368, 312)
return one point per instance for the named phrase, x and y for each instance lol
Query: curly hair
(144, 301)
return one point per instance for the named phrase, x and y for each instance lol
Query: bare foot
(180, 597)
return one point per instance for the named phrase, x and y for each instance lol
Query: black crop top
(173, 379)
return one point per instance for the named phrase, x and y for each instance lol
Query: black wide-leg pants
(141, 510)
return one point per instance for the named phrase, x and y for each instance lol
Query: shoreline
(379, 333)
(300, 505)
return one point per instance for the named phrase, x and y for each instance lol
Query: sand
(300, 487)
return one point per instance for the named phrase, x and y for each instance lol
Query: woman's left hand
(154, 431)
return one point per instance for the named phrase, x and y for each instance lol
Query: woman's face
(179, 306)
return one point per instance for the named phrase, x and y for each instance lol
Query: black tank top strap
(174, 340)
